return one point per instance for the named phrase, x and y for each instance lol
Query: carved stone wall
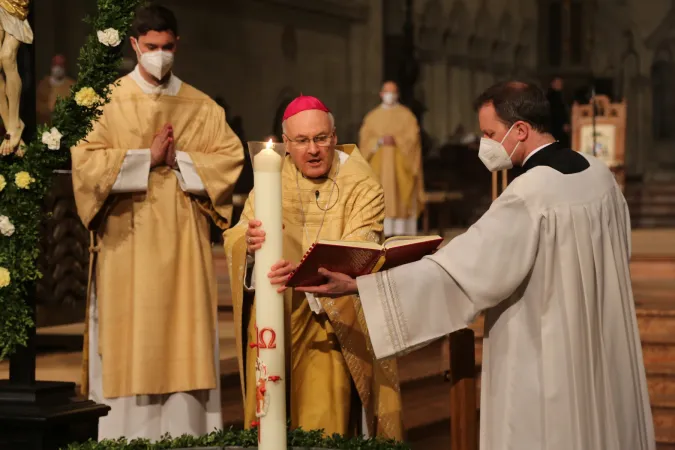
(632, 43)
(248, 51)
(64, 259)
(465, 46)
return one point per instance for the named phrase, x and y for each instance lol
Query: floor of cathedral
(424, 387)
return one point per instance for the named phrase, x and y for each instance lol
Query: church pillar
(427, 87)
(365, 58)
(440, 104)
(454, 96)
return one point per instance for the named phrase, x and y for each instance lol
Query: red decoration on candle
(271, 342)
(274, 378)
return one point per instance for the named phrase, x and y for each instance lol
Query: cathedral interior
(257, 55)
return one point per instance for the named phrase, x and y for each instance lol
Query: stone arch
(663, 93)
(457, 35)
(483, 35)
(430, 36)
(503, 46)
(525, 44)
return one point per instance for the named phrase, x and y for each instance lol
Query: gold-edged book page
(353, 244)
(399, 241)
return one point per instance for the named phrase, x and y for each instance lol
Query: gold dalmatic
(17, 8)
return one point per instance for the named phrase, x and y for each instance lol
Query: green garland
(297, 438)
(25, 181)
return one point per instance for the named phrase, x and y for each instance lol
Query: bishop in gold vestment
(332, 375)
(390, 140)
(152, 338)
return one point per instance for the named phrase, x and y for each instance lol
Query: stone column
(440, 104)
(365, 60)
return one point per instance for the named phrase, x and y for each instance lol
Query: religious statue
(14, 30)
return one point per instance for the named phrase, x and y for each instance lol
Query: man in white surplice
(549, 266)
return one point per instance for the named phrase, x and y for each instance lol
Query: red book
(360, 258)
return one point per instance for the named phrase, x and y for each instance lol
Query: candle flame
(269, 145)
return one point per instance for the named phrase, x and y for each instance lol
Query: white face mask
(389, 98)
(494, 155)
(58, 72)
(158, 63)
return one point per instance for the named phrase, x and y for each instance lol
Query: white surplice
(549, 266)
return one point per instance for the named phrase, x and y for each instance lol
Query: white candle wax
(271, 374)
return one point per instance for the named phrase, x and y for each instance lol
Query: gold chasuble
(399, 168)
(47, 94)
(330, 352)
(154, 285)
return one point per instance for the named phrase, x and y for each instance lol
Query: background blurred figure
(56, 84)
(390, 140)
(560, 113)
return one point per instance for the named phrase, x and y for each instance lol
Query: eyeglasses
(322, 140)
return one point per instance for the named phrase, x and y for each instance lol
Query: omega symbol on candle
(271, 343)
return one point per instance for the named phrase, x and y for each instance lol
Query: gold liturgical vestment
(17, 8)
(47, 94)
(155, 289)
(327, 352)
(399, 168)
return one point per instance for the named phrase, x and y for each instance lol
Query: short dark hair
(154, 18)
(518, 100)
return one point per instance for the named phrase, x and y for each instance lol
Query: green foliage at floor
(297, 438)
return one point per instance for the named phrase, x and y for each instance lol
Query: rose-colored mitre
(59, 60)
(304, 103)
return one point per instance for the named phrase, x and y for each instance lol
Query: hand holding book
(337, 285)
(354, 259)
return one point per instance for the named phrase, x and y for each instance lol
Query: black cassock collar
(557, 157)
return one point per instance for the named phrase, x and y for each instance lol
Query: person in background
(56, 84)
(390, 141)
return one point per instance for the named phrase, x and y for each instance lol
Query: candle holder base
(46, 416)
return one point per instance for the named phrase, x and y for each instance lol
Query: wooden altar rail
(463, 405)
(495, 183)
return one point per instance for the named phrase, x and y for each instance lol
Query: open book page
(352, 244)
(407, 250)
(400, 241)
(354, 260)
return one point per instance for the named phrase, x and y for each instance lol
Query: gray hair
(330, 118)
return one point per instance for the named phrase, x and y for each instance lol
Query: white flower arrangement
(52, 139)
(109, 37)
(6, 227)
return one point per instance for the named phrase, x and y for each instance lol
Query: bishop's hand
(255, 236)
(280, 273)
(338, 285)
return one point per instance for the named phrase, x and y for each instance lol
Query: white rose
(52, 139)
(6, 227)
(109, 37)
